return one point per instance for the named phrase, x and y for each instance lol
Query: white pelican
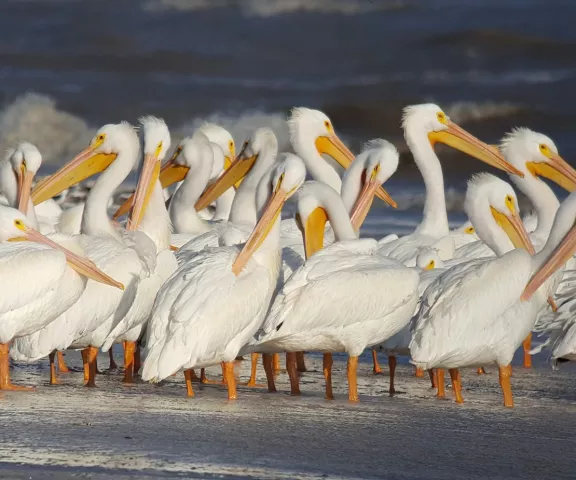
(378, 157)
(37, 284)
(536, 156)
(174, 171)
(425, 125)
(17, 172)
(257, 155)
(149, 216)
(129, 257)
(214, 303)
(334, 301)
(472, 315)
(312, 135)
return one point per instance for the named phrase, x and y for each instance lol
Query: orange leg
(91, 355)
(527, 347)
(301, 365)
(433, 377)
(440, 383)
(129, 348)
(504, 374)
(456, 384)
(292, 368)
(53, 377)
(276, 363)
(188, 376)
(392, 368)
(86, 366)
(137, 360)
(253, 369)
(327, 368)
(352, 380)
(480, 371)
(419, 372)
(377, 369)
(5, 383)
(230, 380)
(267, 362)
(206, 381)
(61, 363)
(113, 365)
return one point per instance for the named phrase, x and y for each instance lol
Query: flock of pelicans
(218, 274)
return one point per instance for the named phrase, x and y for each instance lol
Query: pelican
(425, 125)
(37, 284)
(378, 157)
(150, 217)
(214, 303)
(129, 257)
(257, 155)
(472, 314)
(223, 146)
(17, 172)
(334, 301)
(536, 156)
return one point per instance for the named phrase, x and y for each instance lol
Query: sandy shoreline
(154, 431)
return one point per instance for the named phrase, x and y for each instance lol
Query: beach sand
(154, 431)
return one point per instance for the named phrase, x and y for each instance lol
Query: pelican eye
(509, 201)
(328, 125)
(470, 230)
(441, 116)
(544, 149)
(431, 265)
(100, 138)
(19, 224)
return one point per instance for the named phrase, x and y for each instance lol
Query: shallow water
(69, 66)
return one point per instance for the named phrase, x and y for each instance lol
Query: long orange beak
(233, 175)
(364, 201)
(81, 167)
(561, 255)
(332, 146)
(521, 239)
(458, 138)
(270, 214)
(24, 186)
(170, 173)
(83, 266)
(558, 170)
(146, 183)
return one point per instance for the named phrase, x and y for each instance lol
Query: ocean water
(69, 66)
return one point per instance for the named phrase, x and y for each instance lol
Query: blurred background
(69, 66)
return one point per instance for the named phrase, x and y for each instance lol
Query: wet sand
(154, 431)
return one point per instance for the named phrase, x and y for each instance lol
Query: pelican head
(14, 226)
(374, 166)
(103, 149)
(26, 161)
(431, 119)
(221, 137)
(282, 182)
(263, 139)
(429, 260)
(466, 228)
(155, 142)
(492, 207)
(312, 127)
(536, 155)
(563, 239)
